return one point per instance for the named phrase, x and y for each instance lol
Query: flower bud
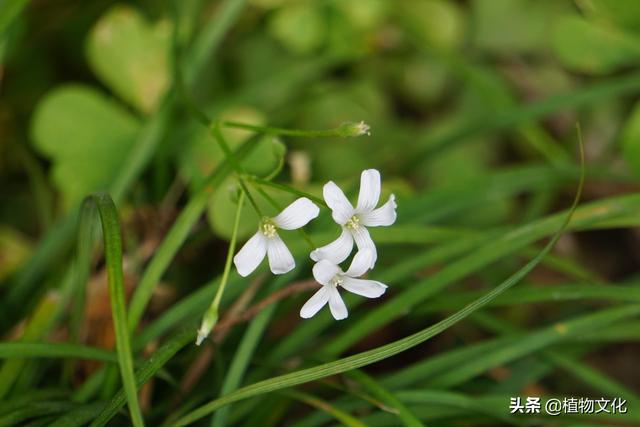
(350, 129)
(208, 322)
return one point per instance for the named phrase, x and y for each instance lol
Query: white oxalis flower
(330, 276)
(354, 222)
(267, 241)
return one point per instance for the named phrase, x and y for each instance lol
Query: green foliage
(131, 56)
(180, 109)
(589, 47)
(86, 135)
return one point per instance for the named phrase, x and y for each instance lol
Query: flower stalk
(210, 317)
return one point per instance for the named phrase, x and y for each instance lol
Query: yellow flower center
(268, 228)
(353, 223)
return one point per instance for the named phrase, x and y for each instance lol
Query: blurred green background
(473, 107)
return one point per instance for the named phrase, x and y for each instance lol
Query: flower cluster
(326, 271)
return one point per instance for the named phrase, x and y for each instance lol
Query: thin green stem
(211, 315)
(235, 165)
(230, 253)
(348, 129)
(287, 189)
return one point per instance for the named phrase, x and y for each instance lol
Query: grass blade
(113, 254)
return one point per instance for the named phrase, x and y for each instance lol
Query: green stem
(348, 129)
(211, 316)
(215, 129)
(288, 189)
(113, 254)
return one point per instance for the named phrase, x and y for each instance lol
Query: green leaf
(525, 21)
(438, 24)
(9, 11)
(584, 46)
(131, 56)
(87, 137)
(343, 417)
(386, 396)
(103, 204)
(624, 13)
(15, 250)
(35, 327)
(629, 140)
(27, 350)
(299, 26)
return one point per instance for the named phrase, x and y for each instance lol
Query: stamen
(268, 228)
(353, 223)
(337, 281)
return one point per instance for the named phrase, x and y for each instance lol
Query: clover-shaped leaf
(86, 135)
(131, 56)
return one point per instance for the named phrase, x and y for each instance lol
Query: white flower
(267, 242)
(330, 276)
(354, 222)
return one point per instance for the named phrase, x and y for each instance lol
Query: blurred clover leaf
(86, 135)
(300, 26)
(590, 47)
(131, 56)
(436, 23)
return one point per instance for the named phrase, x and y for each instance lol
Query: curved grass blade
(113, 254)
(387, 397)
(143, 374)
(343, 417)
(30, 350)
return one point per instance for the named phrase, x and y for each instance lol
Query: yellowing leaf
(131, 56)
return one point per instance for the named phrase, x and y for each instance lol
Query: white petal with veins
(383, 216)
(280, 258)
(336, 304)
(251, 254)
(363, 241)
(369, 190)
(360, 264)
(315, 303)
(341, 208)
(366, 288)
(297, 214)
(336, 251)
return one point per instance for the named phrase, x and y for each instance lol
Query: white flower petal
(363, 241)
(369, 190)
(341, 208)
(361, 263)
(297, 214)
(251, 254)
(336, 251)
(383, 216)
(366, 288)
(336, 304)
(280, 259)
(315, 303)
(324, 271)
